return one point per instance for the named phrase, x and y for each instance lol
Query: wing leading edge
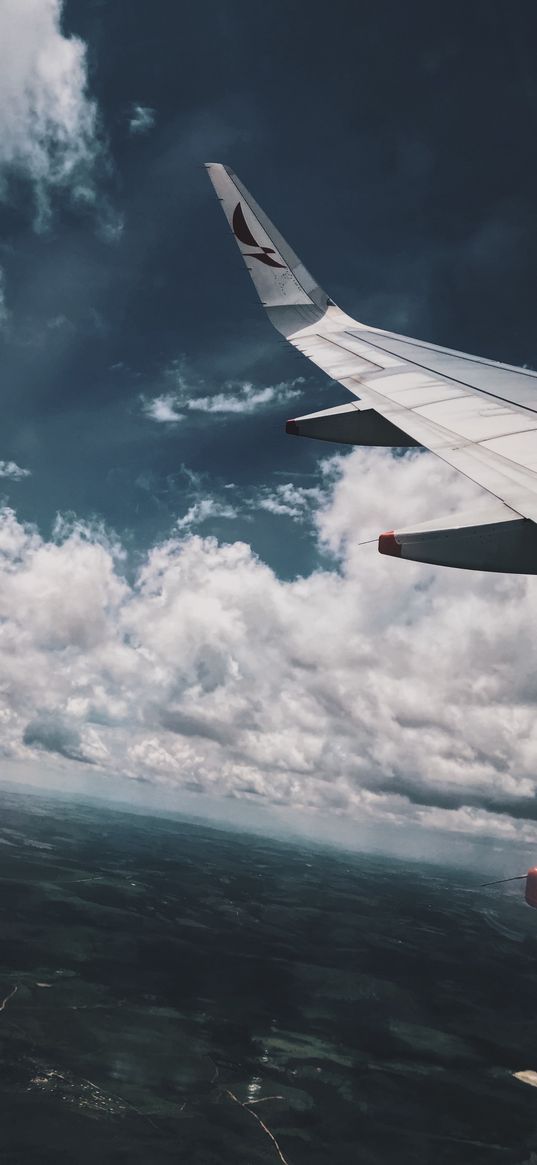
(477, 415)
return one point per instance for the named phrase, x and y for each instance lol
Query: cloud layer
(379, 689)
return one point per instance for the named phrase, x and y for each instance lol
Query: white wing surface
(476, 414)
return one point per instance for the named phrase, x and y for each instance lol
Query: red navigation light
(531, 887)
(388, 544)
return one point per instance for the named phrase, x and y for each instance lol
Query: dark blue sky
(394, 145)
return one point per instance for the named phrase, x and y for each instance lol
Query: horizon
(461, 853)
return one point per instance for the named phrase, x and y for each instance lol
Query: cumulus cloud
(12, 470)
(141, 119)
(48, 122)
(378, 689)
(243, 397)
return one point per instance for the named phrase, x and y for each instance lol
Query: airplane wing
(478, 415)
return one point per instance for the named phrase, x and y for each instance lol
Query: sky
(186, 612)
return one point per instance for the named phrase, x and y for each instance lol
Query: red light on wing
(531, 887)
(389, 545)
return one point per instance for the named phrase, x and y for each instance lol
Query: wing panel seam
(454, 380)
(458, 355)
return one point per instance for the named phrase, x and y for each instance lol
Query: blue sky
(185, 605)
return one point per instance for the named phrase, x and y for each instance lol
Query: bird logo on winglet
(243, 233)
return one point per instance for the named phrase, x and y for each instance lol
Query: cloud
(59, 736)
(12, 470)
(236, 397)
(380, 690)
(49, 133)
(244, 398)
(289, 500)
(203, 509)
(142, 119)
(163, 409)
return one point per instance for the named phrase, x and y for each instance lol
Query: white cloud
(289, 500)
(48, 123)
(162, 409)
(203, 509)
(381, 690)
(12, 470)
(142, 119)
(243, 397)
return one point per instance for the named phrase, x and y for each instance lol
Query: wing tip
(388, 544)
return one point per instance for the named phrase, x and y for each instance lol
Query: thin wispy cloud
(202, 510)
(244, 398)
(289, 500)
(141, 120)
(234, 397)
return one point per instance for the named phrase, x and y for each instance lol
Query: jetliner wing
(478, 415)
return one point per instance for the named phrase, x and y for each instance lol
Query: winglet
(279, 277)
